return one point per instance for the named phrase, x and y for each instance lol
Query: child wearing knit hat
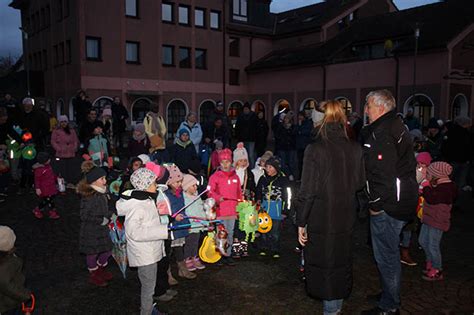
(45, 186)
(195, 209)
(145, 232)
(439, 198)
(13, 291)
(176, 199)
(225, 189)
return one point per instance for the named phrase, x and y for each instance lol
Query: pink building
(187, 54)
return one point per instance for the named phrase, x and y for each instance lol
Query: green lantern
(13, 149)
(29, 152)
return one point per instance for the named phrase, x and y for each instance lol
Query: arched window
(308, 105)
(346, 104)
(460, 106)
(235, 109)
(259, 107)
(423, 107)
(71, 109)
(175, 114)
(280, 106)
(205, 111)
(102, 102)
(60, 107)
(140, 107)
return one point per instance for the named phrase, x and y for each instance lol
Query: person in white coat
(194, 128)
(145, 233)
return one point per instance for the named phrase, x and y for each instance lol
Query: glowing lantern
(29, 152)
(27, 136)
(265, 223)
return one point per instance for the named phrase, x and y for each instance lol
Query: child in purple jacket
(439, 198)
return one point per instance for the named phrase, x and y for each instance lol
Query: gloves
(105, 221)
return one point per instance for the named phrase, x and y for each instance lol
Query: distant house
(187, 55)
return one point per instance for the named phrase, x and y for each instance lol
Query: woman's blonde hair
(333, 113)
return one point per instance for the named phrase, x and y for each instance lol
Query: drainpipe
(224, 41)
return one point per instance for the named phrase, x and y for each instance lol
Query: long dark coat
(333, 171)
(94, 238)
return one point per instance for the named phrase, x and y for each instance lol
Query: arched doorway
(235, 109)
(281, 106)
(423, 107)
(308, 105)
(206, 108)
(346, 104)
(140, 107)
(60, 107)
(258, 107)
(71, 109)
(102, 102)
(176, 112)
(460, 106)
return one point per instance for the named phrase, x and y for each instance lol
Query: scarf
(183, 144)
(140, 138)
(156, 123)
(241, 172)
(101, 190)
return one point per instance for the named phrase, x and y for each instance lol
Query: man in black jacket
(245, 131)
(393, 192)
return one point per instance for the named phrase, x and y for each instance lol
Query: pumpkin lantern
(265, 223)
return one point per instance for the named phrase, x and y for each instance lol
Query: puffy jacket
(177, 203)
(12, 283)
(286, 138)
(390, 167)
(195, 133)
(195, 210)
(272, 191)
(225, 185)
(185, 157)
(98, 149)
(143, 228)
(63, 143)
(45, 179)
(438, 203)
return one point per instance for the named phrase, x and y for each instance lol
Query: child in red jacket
(439, 198)
(225, 189)
(45, 185)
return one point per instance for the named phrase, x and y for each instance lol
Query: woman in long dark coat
(333, 171)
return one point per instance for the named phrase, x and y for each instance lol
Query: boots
(53, 214)
(183, 272)
(405, 257)
(171, 280)
(106, 275)
(433, 275)
(428, 267)
(244, 249)
(190, 264)
(96, 279)
(198, 263)
(235, 252)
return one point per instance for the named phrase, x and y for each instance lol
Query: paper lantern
(27, 136)
(29, 152)
(265, 223)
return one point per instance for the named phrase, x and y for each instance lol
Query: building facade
(187, 54)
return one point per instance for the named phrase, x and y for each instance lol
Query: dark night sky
(10, 36)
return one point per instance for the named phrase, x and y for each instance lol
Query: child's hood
(39, 165)
(129, 198)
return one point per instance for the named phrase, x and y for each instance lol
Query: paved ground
(57, 274)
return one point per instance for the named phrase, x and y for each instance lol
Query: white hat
(240, 153)
(145, 158)
(142, 178)
(7, 238)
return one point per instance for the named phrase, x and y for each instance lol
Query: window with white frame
(240, 10)
(183, 15)
(215, 17)
(199, 17)
(93, 49)
(167, 12)
(131, 8)
(132, 52)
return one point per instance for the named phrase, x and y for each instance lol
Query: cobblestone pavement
(57, 273)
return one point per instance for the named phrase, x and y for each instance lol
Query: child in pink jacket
(225, 189)
(45, 185)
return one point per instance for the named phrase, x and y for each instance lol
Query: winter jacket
(261, 130)
(215, 160)
(225, 185)
(160, 156)
(45, 179)
(245, 130)
(36, 123)
(135, 147)
(434, 145)
(390, 167)
(185, 157)
(155, 128)
(64, 144)
(12, 283)
(272, 192)
(285, 137)
(98, 149)
(143, 229)
(94, 237)
(177, 203)
(86, 131)
(247, 183)
(333, 171)
(120, 116)
(204, 154)
(221, 134)
(303, 134)
(81, 108)
(258, 171)
(438, 203)
(457, 147)
(195, 133)
(195, 210)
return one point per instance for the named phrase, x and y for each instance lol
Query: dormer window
(240, 10)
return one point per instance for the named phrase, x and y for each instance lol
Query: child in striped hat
(439, 198)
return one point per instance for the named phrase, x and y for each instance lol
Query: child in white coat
(144, 232)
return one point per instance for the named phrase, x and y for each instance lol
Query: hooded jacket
(12, 283)
(64, 144)
(45, 179)
(143, 229)
(195, 133)
(225, 185)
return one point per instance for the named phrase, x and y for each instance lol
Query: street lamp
(26, 59)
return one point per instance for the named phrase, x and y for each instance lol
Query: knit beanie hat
(7, 238)
(225, 154)
(266, 156)
(275, 162)
(439, 170)
(42, 157)
(144, 157)
(139, 127)
(424, 158)
(142, 178)
(160, 171)
(240, 153)
(188, 181)
(94, 174)
(175, 174)
(62, 118)
(219, 144)
(182, 131)
(164, 178)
